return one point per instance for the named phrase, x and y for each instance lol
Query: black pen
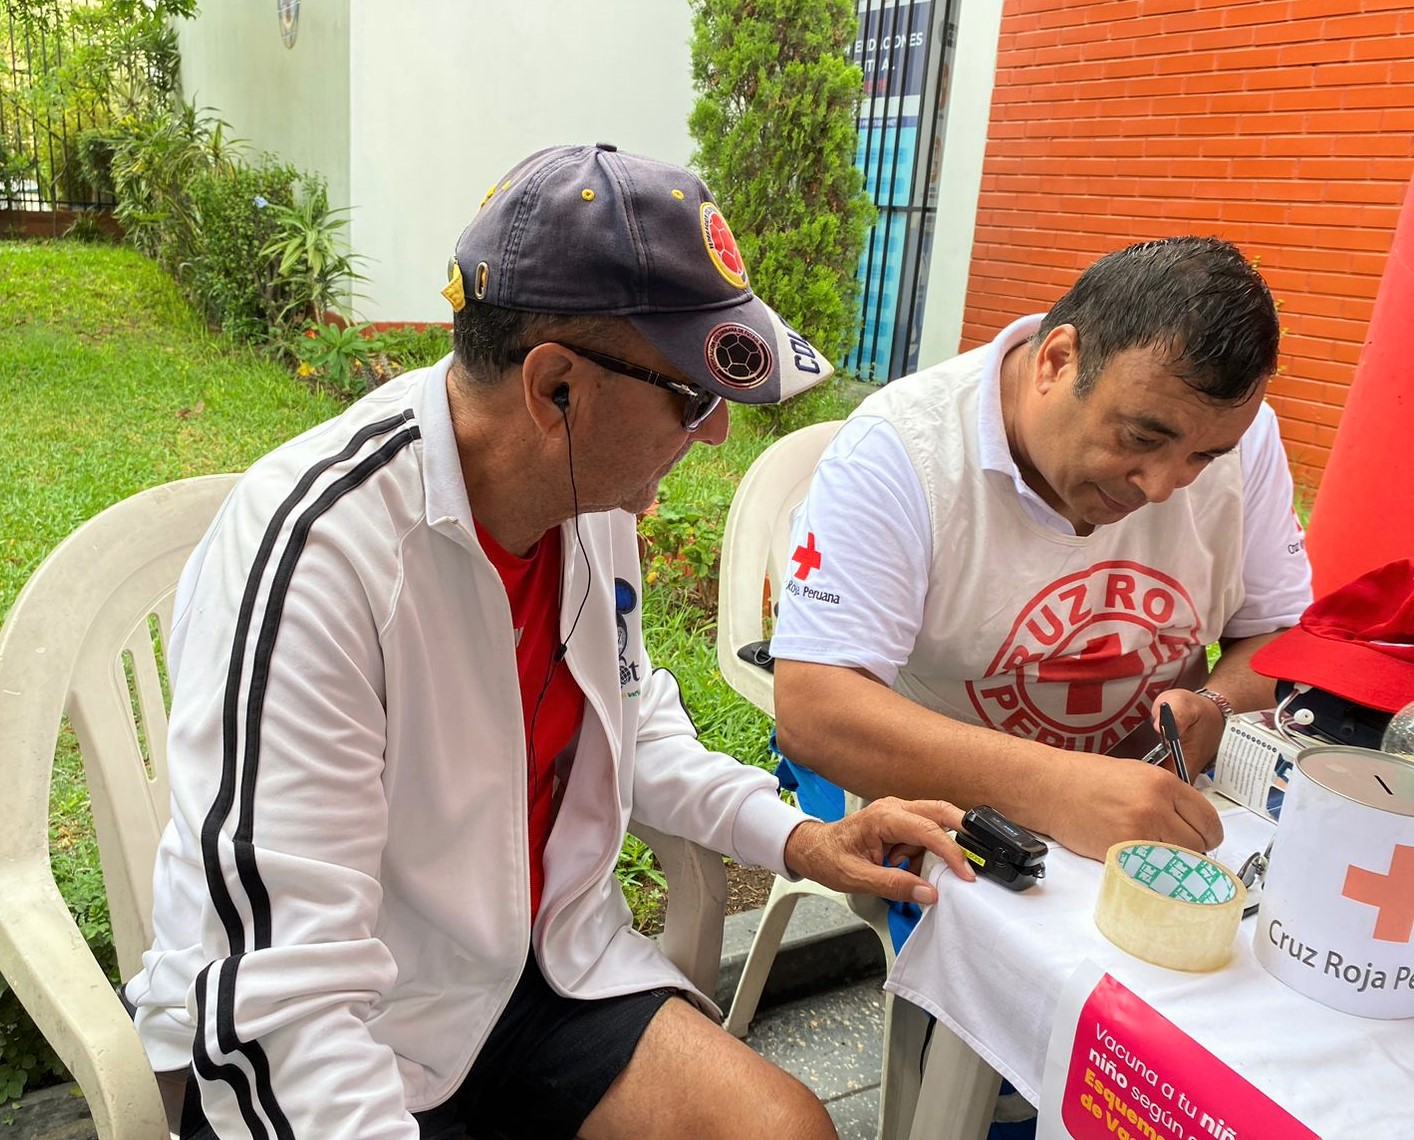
(1168, 728)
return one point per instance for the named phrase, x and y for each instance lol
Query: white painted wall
(960, 182)
(293, 102)
(446, 96)
(412, 109)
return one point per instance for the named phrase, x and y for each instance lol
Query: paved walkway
(834, 1042)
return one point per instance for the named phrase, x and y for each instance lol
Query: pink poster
(1134, 1075)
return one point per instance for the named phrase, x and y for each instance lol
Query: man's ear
(1057, 361)
(545, 377)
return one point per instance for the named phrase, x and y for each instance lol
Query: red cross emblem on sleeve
(1392, 895)
(806, 557)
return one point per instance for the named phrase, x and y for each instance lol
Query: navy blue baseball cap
(595, 230)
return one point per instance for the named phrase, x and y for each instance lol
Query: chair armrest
(697, 904)
(55, 976)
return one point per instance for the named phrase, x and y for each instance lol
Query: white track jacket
(342, 894)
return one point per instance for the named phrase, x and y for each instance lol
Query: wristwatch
(1224, 705)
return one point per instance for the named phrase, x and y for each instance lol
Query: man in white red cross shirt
(1007, 562)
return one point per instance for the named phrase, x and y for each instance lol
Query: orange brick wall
(1285, 126)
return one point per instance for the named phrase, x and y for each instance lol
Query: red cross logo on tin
(1391, 895)
(807, 557)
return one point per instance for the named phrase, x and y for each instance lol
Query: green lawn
(113, 385)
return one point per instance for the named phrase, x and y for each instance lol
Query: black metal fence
(40, 121)
(905, 49)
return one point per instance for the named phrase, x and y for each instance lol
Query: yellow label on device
(981, 862)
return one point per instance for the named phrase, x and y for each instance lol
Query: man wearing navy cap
(413, 713)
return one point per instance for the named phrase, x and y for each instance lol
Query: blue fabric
(815, 794)
(825, 801)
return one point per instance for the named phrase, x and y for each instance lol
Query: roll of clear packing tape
(1169, 905)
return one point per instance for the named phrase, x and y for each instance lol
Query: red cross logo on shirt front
(1100, 661)
(807, 556)
(1392, 895)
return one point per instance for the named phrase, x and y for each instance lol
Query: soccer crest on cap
(721, 245)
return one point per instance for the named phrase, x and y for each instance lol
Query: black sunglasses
(697, 403)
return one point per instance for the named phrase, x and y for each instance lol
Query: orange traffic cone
(1363, 516)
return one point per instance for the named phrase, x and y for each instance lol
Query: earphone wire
(578, 541)
(563, 647)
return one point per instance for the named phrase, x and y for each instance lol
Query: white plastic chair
(80, 627)
(755, 560)
(83, 640)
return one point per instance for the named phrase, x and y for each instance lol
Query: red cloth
(1356, 642)
(551, 702)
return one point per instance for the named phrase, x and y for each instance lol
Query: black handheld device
(1002, 850)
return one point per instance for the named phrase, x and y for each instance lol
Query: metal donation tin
(1336, 921)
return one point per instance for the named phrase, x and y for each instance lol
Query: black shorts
(547, 1064)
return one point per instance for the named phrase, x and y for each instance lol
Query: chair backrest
(755, 554)
(85, 638)
(84, 641)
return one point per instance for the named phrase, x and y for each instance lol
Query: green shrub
(14, 169)
(315, 271)
(95, 151)
(255, 245)
(684, 546)
(230, 276)
(92, 63)
(26, 1060)
(407, 348)
(775, 128)
(155, 160)
(85, 227)
(340, 356)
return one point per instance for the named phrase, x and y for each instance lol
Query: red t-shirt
(551, 702)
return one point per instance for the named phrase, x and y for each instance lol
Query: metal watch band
(1224, 705)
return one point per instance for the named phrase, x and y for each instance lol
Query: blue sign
(891, 49)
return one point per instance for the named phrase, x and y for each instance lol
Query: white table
(990, 965)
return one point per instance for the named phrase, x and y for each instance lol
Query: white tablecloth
(990, 963)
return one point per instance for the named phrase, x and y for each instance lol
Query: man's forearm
(874, 742)
(1233, 676)
(870, 740)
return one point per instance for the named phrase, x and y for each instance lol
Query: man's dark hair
(487, 339)
(1198, 300)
